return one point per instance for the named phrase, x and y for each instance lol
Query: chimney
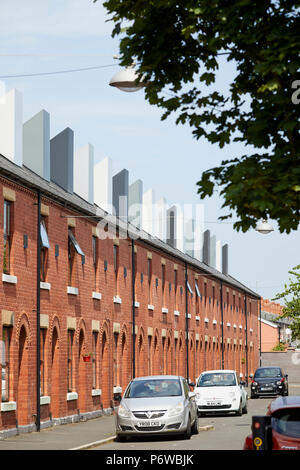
(61, 159)
(36, 144)
(84, 173)
(11, 126)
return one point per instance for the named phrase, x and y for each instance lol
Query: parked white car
(220, 391)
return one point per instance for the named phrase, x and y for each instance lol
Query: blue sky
(55, 35)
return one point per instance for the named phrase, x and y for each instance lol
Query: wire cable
(57, 72)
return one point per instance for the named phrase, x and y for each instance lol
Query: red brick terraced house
(176, 315)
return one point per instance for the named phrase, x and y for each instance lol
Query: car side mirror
(192, 394)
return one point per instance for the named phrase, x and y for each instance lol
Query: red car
(285, 422)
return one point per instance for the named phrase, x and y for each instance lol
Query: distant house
(273, 328)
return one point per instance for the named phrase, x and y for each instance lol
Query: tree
(177, 46)
(292, 307)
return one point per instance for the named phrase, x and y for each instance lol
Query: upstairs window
(7, 236)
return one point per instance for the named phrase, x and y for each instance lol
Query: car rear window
(268, 372)
(153, 388)
(287, 422)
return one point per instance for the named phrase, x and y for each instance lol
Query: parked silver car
(161, 404)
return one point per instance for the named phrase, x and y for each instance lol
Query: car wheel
(195, 427)
(239, 412)
(245, 409)
(120, 438)
(286, 392)
(188, 432)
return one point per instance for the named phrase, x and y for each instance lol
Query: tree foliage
(292, 307)
(177, 45)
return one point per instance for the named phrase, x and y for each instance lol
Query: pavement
(76, 436)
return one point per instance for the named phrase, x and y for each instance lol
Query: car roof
(291, 401)
(225, 371)
(269, 367)
(156, 377)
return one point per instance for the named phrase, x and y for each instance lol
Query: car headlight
(123, 412)
(279, 382)
(198, 396)
(176, 410)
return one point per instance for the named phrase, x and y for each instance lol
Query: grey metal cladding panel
(61, 159)
(120, 188)
(171, 232)
(225, 259)
(36, 144)
(206, 247)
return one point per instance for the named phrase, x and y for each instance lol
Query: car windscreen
(153, 388)
(268, 372)
(287, 422)
(217, 379)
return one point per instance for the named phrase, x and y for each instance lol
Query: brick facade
(95, 315)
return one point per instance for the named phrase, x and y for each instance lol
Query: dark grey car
(269, 381)
(161, 404)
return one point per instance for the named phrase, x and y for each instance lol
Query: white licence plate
(266, 388)
(147, 424)
(213, 403)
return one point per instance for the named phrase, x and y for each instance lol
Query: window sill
(164, 310)
(8, 406)
(45, 400)
(197, 317)
(97, 295)
(45, 285)
(9, 278)
(117, 300)
(72, 290)
(72, 396)
(176, 313)
(96, 392)
(150, 307)
(117, 390)
(188, 315)
(136, 304)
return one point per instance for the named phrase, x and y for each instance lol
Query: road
(228, 434)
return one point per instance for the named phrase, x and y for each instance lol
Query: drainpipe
(133, 307)
(187, 325)
(260, 332)
(246, 346)
(38, 302)
(222, 320)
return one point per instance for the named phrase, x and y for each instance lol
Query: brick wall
(98, 324)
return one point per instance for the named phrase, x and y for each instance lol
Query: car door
(191, 399)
